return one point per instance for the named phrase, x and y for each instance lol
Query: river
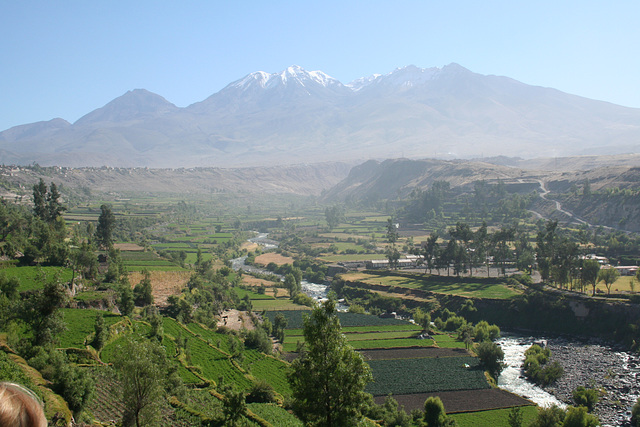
(589, 363)
(316, 291)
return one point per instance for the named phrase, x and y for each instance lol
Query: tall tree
(141, 367)
(608, 276)
(589, 273)
(106, 224)
(54, 208)
(40, 200)
(329, 377)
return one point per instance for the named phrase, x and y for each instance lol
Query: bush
(537, 368)
(586, 397)
(261, 392)
(635, 414)
(259, 340)
(491, 357)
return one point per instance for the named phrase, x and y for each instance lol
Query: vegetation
(328, 378)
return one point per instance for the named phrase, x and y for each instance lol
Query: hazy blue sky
(67, 58)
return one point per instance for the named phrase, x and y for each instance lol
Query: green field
(426, 375)
(274, 414)
(80, 324)
(295, 319)
(462, 286)
(494, 417)
(31, 278)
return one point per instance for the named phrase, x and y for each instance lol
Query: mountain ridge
(295, 116)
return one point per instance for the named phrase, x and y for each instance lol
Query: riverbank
(594, 364)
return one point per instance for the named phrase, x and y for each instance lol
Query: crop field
(163, 283)
(447, 341)
(254, 296)
(435, 375)
(80, 324)
(274, 414)
(295, 318)
(187, 376)
(269, 369)
(216, 365)
(461, 286)
(493, 417)
(278, 305)
(221, 341)
(29, 277)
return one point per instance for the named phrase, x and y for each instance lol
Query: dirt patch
(254, 281)
(163, 283)
(461, 401)
(413, 353)
(249, 246)
(128, 247)
(276, 258)
(236, 320)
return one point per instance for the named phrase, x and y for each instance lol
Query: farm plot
(274, 414)
(409, 376)
(269, 369)
(463, 401)
(221, 341)
(493, 417)
(187, 376)
(80, 325)
(32, 278)
(295, 318)
(412, 353)
(216, 365)
(477, 287)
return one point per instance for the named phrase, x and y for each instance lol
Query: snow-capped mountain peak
(291, 75)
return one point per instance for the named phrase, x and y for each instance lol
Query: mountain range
(298, 116)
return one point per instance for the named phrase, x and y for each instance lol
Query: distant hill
(300, 116)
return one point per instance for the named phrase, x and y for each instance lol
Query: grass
(80, 324)
(493, 417)
(279, 304)
(461, 286)
(31, 278)
(274, 414)
(447, 341)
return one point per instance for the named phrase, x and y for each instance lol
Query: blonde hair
(20, 407)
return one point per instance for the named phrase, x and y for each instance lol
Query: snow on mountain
(292, 75)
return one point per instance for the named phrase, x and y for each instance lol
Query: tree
(590, 272)
(608, 276)
(292, 285)
(515, 418)
(141, 368)
(329, 376)
(434, 414)
(233, 406)
(491, 357)
(334, 216)
(54, 208)
(101, 332)
(552, 416)
(142, 291)
(279, 325)
(392, 231)
(106, 224)
(40, 200)
(578, 417)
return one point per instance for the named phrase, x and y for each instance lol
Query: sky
(66, 58)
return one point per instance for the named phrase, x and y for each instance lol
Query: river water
(315, 290)
(512, 377)
(590, 364)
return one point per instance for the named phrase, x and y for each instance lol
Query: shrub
(491, 357)
(259, 340)
(586, 397)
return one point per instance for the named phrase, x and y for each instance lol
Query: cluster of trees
(468, 249)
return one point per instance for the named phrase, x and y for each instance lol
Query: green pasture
(447, 341)
(31, 278)
(494, 417)
(462, 286)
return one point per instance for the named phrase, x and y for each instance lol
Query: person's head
(20, 407)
